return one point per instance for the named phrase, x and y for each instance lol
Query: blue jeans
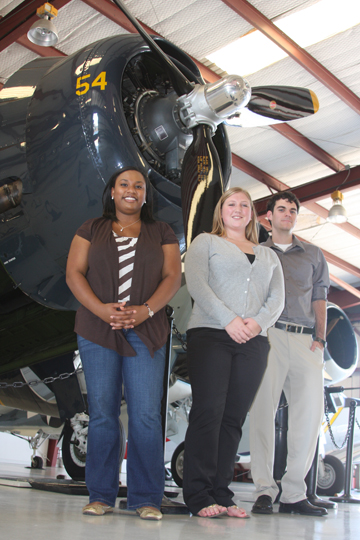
(143, 377)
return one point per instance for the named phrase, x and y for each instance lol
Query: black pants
(224, 377)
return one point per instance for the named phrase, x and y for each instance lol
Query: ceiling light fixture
(337, 213)
(43, 32)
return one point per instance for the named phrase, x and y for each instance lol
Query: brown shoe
(97, 509)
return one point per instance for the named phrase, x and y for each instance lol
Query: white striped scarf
(126, 248)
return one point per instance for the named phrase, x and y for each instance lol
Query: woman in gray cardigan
(238, 292)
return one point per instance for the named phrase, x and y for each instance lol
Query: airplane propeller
(201, 108)
(201, 174)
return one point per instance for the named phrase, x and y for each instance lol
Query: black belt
(294, 328)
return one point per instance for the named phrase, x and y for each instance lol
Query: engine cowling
(341, 353)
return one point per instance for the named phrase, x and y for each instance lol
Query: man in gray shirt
(295, 366)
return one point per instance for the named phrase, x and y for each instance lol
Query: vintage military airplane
(65, 126)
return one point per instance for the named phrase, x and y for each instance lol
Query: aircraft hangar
(310, 44)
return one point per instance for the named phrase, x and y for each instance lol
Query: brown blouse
(103, 278)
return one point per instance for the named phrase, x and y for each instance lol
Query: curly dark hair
(109, 210)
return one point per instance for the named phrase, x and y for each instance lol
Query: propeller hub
(211, 104)
(162, 137)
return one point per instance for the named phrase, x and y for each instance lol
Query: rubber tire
(177, 464)
(76, 470)
(37, 462)
(334, 479)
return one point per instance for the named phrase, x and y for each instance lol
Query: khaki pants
(295, 369)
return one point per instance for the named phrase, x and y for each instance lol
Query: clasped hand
(120, 316)
(242, 330)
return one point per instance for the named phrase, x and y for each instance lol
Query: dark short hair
(282, 195)
(109, 210)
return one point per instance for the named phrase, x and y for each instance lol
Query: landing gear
(177, 464)
(331, 476)
(74, 452)
(37, 462)
(35, 442)
(74, 446)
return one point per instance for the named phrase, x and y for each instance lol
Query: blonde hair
(251, 231)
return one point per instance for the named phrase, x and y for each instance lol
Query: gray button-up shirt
(306, 279)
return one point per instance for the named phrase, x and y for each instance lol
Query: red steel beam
(37, 49)
(322, 212)
(297, 53)
(331, 180)
(112, 12)
(309, 146)
(339, 263)
(317, 190)
(354, 317)
(346, 286)
(336, 261)
(257, 173)
(14, 19)
(344, 299)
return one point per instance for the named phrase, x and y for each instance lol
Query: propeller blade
(283, 103)
(180, 83)
(247, 119)
(201, 183)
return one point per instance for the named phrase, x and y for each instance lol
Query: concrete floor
(28, 512)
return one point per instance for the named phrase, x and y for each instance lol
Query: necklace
(126, 226)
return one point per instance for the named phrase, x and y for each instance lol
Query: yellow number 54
(83, 87)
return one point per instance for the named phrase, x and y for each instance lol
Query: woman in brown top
(124, 268)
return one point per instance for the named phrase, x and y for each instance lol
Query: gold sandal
(97, 509)
(149, 512)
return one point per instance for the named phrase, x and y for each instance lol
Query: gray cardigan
(224, 284)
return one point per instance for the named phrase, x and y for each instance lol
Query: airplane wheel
(37, 462)
(333, 480)
(74, 458)
(177, 464)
